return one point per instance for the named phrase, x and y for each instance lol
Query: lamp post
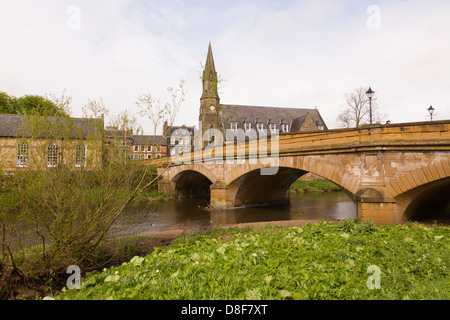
(431, 110)
(370, 94)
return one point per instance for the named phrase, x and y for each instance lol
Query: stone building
(47, 142)
(146, 147)
(261, 119)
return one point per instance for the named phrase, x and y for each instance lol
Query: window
(149, 148)
(80, 155)
(136, 148)
(284, 127)
(272, 127)
(320, 127)
(172, 140)
(260, 126)
(187, 140)
(142, 148)
(247, 126)
(233, 126)
(22, 155)
(52, 155)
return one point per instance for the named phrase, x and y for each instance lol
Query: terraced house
(39, 142)
(145, 147)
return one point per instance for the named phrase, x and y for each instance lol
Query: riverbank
(310, 260)
(317, 185)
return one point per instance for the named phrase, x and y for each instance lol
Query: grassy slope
(300, 186)
(316, 261)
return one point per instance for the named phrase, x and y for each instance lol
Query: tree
(34, 104)
(357, 112)
(8, 104)
(158, 112)
(63, 211)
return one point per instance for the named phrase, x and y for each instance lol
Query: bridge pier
(375, 204)
(166, 186)
(219, 198)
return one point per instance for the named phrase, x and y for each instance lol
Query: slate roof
(292, 116)
(149, 140)
(14, 125)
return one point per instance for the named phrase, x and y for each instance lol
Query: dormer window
(284, 127)
(272, 127)
(233, 126)
(320, 127)
(247, 126)
(260, 126)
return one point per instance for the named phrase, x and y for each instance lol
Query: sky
(300, 54)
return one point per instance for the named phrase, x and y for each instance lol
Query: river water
(194, 214)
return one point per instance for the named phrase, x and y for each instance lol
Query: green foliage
(318, 185)
(29, 104)
(63, 212)
(315, 261)
(8, 104)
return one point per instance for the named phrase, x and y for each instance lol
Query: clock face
(211, 108)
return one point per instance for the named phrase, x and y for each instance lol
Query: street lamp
(370, 94)
(431, 110)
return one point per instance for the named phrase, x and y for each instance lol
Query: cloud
(275, 53)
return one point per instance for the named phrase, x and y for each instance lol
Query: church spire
(210, 59)
(210, 101)
(210, 77)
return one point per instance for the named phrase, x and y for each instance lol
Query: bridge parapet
(423, 136)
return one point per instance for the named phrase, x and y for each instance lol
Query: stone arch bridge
(393, 173)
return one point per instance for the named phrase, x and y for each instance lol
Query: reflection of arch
(192, 184)
(418, 177)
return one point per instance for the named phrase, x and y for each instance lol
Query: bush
(62, 214)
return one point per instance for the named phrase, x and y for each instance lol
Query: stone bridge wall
(377, 166)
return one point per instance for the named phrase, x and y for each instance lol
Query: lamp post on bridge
(370, 94)
(431, 110)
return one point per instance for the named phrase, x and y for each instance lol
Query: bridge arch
(252, 188)
(248, 182)
(202, 169)
(429, 202)
(191, 184)
(418, 177)
(423, 194)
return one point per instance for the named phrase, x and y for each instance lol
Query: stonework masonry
(382, 168)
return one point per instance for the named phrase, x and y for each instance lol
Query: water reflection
(192, 214)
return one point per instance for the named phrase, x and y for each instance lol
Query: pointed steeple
(210, 59)
(210, 101)
(210, 77)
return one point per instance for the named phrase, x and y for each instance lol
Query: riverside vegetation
(323, 260)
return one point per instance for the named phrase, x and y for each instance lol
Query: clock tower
(210, 101)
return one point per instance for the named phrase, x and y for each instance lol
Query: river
(193, 214)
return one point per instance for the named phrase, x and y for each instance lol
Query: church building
(229, 118)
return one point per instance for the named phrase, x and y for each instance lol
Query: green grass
(319, 185)
(315, 261)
